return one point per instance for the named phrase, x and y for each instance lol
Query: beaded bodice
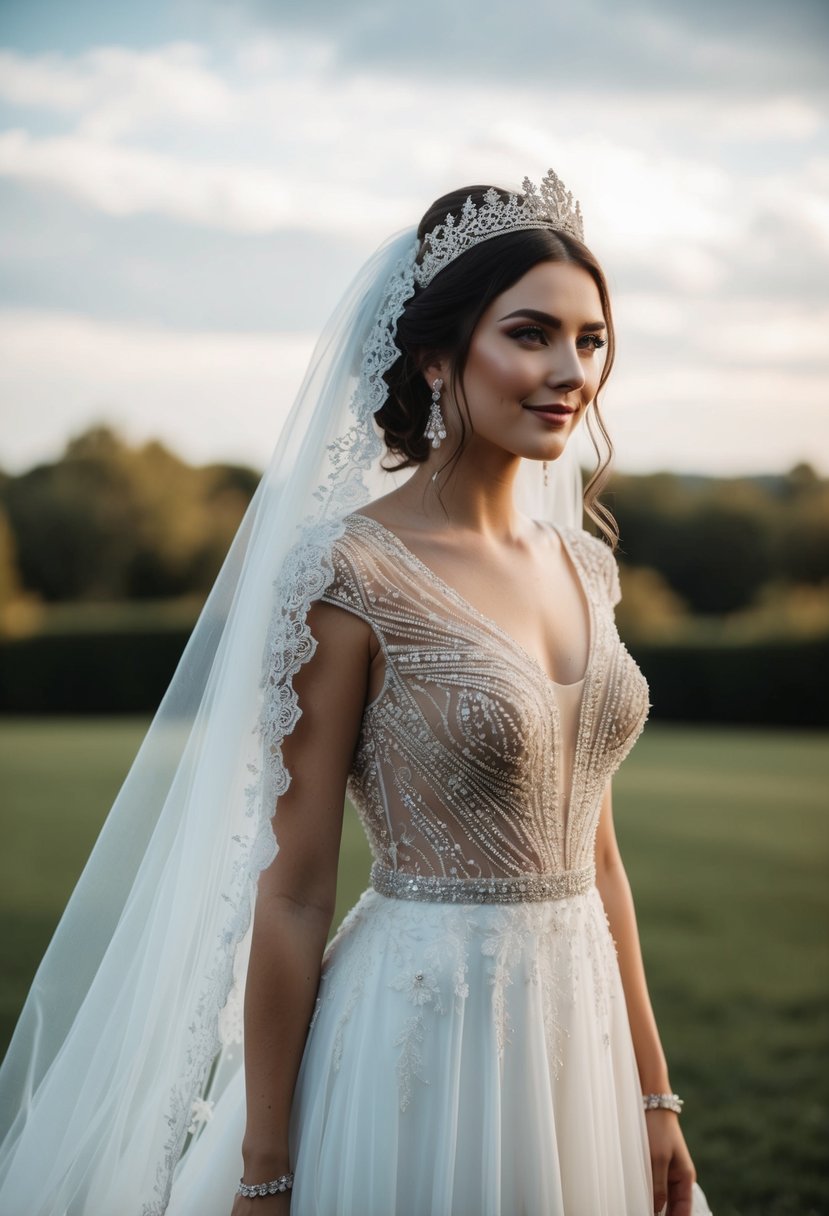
(460, 770)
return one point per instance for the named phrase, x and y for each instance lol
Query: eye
(533, 333)
(592, 341)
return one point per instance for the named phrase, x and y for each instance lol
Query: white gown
(469, 1053)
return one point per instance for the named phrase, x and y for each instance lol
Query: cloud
(759, 336)
(116, 91)
(233, 197)
(59, 254)
(362, 156)
(696, 417)
(210, 395)
(279, 140)
(223, 193)
(728, 46)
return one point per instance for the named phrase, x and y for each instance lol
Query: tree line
(110, 521)
(718, 541)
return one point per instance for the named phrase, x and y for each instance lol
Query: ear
(434, 367)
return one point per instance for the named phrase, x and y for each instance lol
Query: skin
(474, 538)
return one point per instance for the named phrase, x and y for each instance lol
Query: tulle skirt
(462, 1060)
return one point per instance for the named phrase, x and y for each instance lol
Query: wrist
(655, 1081)
(263, 1165)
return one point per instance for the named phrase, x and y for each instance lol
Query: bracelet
(663, 1102)
(283, 1183)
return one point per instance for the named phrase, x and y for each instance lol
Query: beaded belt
(514, 889)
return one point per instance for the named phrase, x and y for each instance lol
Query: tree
(108, 521)
(74, 522)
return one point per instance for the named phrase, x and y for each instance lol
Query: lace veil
(136, 1005)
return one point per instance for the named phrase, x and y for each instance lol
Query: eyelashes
(535, 333)
(529, 331)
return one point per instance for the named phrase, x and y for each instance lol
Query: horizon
(218, 462)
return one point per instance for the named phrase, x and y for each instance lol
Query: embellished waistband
(513, 889)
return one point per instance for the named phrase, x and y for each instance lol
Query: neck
(474, 492)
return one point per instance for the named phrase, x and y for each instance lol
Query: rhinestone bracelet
(663, 1102)
(283, 1183)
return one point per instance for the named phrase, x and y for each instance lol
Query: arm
(296, 894)
(673, 1171)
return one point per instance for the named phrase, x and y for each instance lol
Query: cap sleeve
(608, 567)
(348, 588)
(613, 584)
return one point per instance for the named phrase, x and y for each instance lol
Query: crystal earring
(546, 474)
(435, 427)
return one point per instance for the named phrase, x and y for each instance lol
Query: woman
(470, 1042)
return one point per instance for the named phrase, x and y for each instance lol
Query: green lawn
(725, 837)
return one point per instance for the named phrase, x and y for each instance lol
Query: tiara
(549, 205)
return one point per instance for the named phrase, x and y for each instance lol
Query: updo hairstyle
(440, 319)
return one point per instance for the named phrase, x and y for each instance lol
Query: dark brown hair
(440, 319)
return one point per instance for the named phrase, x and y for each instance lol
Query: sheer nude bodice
(471, 762)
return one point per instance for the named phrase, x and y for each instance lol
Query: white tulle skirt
(462, 1060)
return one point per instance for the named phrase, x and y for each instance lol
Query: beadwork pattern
(397, 884)
(457, 771)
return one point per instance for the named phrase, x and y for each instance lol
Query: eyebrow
(589, 327)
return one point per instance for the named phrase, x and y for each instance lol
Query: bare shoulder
(391, 510)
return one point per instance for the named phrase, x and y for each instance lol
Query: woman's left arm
(673, 1170)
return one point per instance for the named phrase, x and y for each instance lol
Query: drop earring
(435, 427)
(546, 474)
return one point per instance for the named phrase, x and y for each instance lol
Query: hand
(262, 1205)
(673, 1169)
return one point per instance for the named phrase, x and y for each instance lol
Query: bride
(477, 1038)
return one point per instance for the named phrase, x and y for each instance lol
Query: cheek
(502, 367)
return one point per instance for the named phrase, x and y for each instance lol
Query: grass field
(725, 837)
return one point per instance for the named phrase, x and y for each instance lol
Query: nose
(566, 368)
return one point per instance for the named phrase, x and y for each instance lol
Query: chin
(554, 449)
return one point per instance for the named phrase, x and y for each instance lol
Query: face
(535, 361)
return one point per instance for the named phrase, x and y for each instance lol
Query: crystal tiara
(549, 205)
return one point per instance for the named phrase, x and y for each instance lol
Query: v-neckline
(453, 594)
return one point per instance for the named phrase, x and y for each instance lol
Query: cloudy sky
(186, 188)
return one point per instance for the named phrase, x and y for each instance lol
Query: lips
(553, 409)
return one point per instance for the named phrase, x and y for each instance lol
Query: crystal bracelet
(663, 1102)
(283, 1183)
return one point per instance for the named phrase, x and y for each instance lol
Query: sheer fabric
(462, 767)
(568, 699)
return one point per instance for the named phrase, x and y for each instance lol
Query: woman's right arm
(296, 894)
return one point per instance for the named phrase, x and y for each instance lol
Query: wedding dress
(469, 1053)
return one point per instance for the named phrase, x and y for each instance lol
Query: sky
(187, 187)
